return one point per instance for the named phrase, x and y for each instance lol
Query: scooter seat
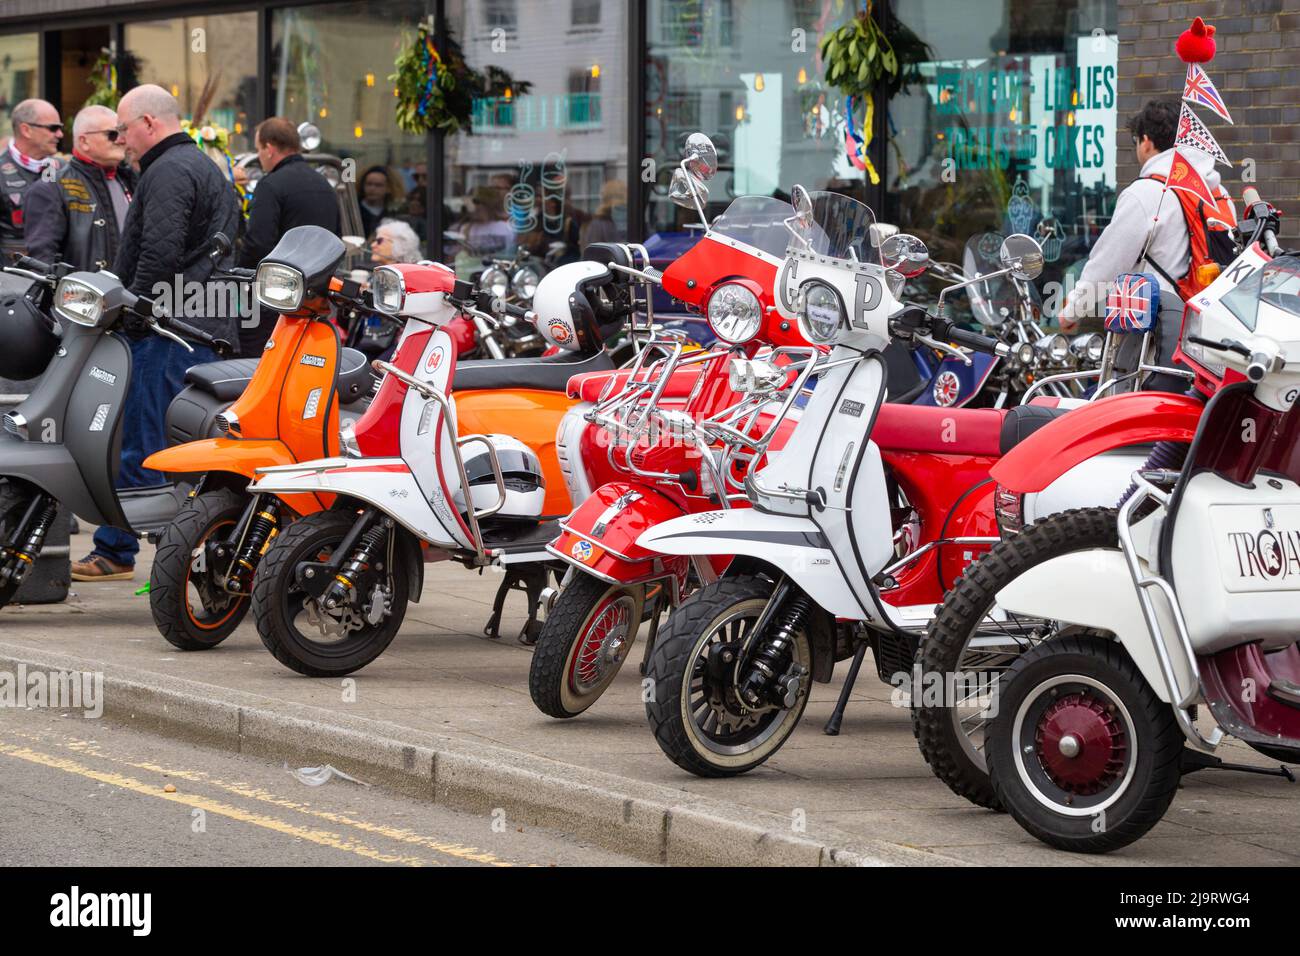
(1023, 420)
(943, 431)
(224, 381)
(549, 374)
(588, 386)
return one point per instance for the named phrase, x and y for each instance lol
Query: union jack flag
(1201, 91)
(1132, 303)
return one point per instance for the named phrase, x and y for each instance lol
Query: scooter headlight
(78, 302)
(734, 313)
(279, 287)
(495, 280)
(1055, 348)
(1025, 354)
(525, 282)
(1088, 346)
(821, 313)
(387, 290)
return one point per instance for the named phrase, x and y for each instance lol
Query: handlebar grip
(973, 340)
(32, 265)
(516, 311)
(1250, 195)
(195, 334)
(1270, 243)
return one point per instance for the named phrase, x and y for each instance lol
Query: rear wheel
(694, 709)
(1083, 753)
(14, 501)
(306, 637)
(191, 608)
(588, 634)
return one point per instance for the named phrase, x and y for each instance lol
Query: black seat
(224, 381)
(1023, 420)
(550, 374)
(355, 380)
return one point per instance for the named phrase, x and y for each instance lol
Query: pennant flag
(1192, 132)
(1183, 175)
(1201, 91)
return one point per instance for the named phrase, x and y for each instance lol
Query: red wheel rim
(1081, 744)
(606, 635)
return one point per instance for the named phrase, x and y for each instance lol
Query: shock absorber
(766, 666)
(1165, 456)
(362, 555)
(39, 517)
(261, 532)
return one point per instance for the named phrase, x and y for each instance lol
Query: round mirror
(1022, 255)
(803, 207)
(681, 190)
(906, 255)
(700, 157)
(310, 137)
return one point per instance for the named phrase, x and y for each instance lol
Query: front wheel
(1083, 753)
(190, 606)
(311, 639)
(586, 638)
(14, 501)
(694, 707)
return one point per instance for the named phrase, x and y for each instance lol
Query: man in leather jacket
(78, 217)
(37, 131)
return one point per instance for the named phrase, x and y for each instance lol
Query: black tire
(1151, 740)
(14, 500)
(174, 613)
(277, 602)
(556, 677)
(676, 653)
(954, 757)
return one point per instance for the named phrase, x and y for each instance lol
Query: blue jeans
(158, 368)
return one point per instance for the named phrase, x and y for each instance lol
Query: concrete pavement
(446, 713)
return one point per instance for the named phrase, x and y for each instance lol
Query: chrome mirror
(700, 157)
(310, 137)
(905, 254)
(1022, 256)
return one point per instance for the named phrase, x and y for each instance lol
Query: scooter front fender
(1137, 418)
(600, 537)
(792, 545)
(241, 457)
(383, 483)
(52, 469)
(1094, 589)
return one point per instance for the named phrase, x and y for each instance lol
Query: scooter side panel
(793, 545)
(308, 403)
(48, 400)
(243, 457)
(601, 535)
(1093, 589)
(51, 468)
(93, 423)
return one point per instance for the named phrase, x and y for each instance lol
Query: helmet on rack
(522, 471)
(28, 337)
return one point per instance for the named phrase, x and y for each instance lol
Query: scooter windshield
(757, 221)
(1277, 284)
(840, 229)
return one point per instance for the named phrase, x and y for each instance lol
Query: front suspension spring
(261, 532)
(24, 555)
(363, 555)
(767, 663)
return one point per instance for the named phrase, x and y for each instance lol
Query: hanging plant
(436, 89)
(110, 77)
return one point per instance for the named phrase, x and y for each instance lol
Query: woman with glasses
(394, 241)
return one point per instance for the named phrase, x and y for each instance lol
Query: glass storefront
(1010, 127)
(19, 73)
(198, 57)
(544, 171)
(746, 73)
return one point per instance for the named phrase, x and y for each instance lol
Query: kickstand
(832, 728)
(529, 578)
(1194, 760)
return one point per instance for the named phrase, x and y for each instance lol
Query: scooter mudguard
(793, 545)
(52, 469)
(1136, 418)
(1093, 589)
(384, 483)
(600, 537)
(238, 456)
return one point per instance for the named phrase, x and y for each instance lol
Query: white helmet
(522, 471)
(564, 314)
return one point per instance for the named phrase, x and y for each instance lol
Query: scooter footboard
(794, 546)
(1093, 589)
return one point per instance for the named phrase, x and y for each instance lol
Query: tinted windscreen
(757, 221)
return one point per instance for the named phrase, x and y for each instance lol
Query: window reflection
(19, 72)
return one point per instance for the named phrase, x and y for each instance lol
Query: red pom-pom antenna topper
(1196, 43)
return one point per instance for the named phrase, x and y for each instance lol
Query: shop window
(19, 72)
(204, 57)
(550, 173)
(501, 15)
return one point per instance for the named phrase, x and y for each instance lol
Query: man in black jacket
(180, 202)
(290, 194)
(78, 217)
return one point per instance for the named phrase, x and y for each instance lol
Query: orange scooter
(289, 412)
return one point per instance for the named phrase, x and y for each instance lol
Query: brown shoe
(95, 567)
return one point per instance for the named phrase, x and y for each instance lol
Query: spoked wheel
(587, 636)
(307, 637)
(1083, 753)
(191, 608)
(694, 709)
(14, 501)
(972, 642)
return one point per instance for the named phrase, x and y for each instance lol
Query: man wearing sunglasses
(37, 132)
(78, 217)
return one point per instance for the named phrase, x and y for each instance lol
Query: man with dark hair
(1123, 245)
(290, 193)
(24, 162)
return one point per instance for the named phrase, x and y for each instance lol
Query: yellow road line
(319, 837)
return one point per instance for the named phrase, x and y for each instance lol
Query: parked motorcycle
(289, 411)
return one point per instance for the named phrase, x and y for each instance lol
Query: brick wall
(1256, 70)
